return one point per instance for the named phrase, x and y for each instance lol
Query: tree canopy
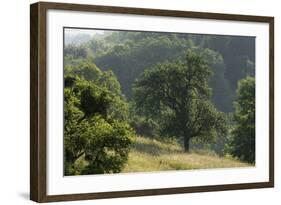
(179, 95)
(243, 142)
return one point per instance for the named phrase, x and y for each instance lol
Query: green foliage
(128, 54)
(94, 100)
(132, 52)
(73, 129)
(145, 126)
(238, 52)
(219, 144)
(222, 96)
(95, 127)
(75, 51)
(178, 92)
(243, 141)
(107, 147)
(99, 88)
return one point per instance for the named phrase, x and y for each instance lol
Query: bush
(97, 136)
(107, 147)
(243, 135)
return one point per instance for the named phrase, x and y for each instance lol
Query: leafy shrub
(243, 139)
(107, 147)
(97, 137)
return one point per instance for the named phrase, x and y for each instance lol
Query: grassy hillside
(153, 155)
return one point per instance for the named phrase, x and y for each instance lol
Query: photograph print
(141, 101)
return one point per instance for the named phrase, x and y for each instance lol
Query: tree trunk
(186, 144)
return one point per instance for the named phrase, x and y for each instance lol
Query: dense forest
(129, 94)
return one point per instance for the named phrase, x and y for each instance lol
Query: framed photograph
(136, 102)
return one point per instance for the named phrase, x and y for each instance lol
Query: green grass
(152, 155)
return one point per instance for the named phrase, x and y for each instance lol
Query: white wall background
(14, 102)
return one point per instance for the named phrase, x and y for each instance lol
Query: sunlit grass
(152, 155)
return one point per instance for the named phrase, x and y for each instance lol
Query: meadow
(153, 155)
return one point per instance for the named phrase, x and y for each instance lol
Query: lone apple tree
(177, 94)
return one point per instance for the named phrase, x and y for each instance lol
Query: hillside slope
(153, 155)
